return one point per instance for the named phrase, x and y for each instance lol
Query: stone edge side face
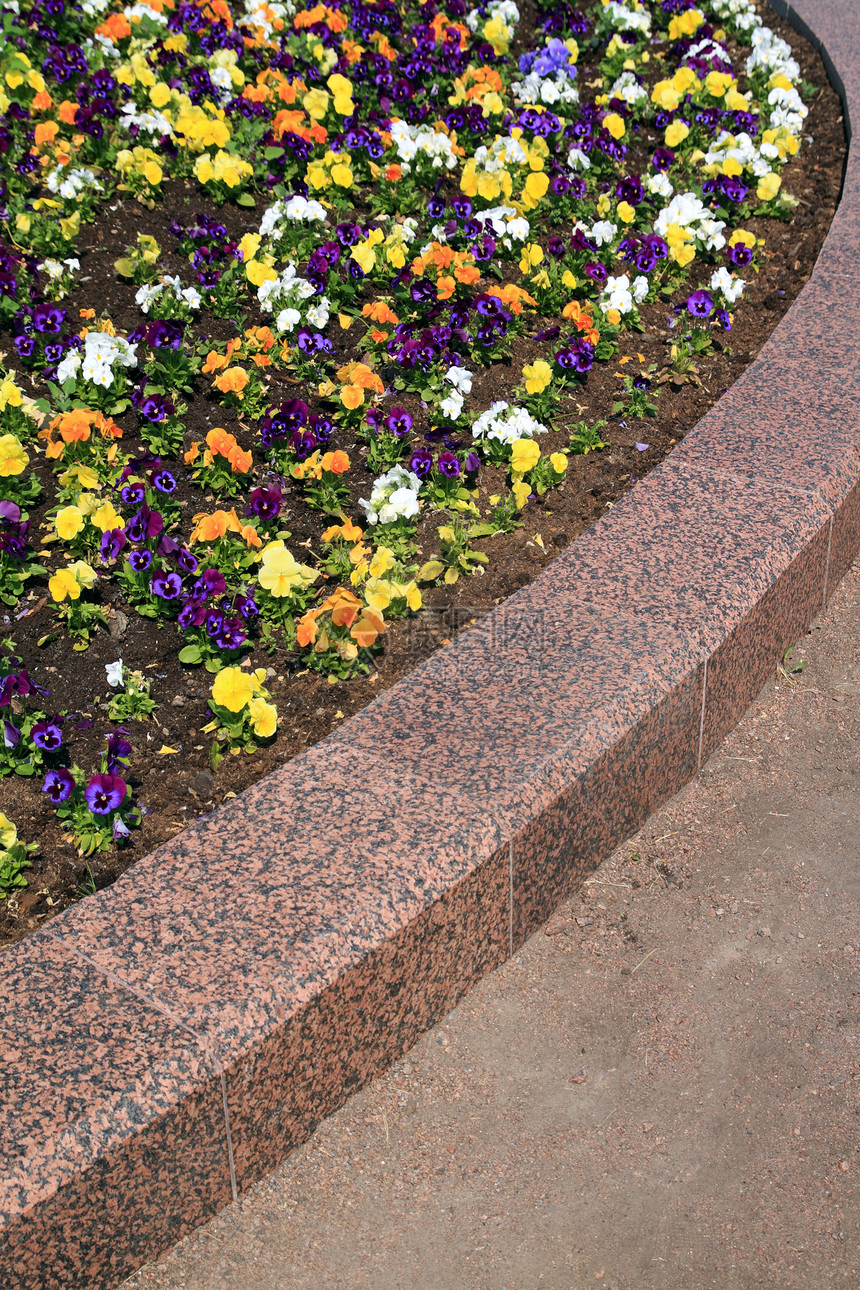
(160, 1054)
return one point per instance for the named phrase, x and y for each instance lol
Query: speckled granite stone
(296, 883)
(113, 1132)
(277, 954)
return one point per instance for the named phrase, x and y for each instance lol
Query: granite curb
(169, 1040)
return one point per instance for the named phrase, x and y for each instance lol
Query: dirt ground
(661, 1090)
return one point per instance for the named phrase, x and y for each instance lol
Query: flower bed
(405, 256)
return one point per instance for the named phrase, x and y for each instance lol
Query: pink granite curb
(168, 1041)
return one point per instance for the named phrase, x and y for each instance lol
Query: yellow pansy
(85, 576)
(378, 593)
(676, 133)
(342, 91)
(69, 522)
(382, 561)
(64, 583)
(735, 101)
(10, 395)
(8, 832)
(249, 245)
(105, 517)
(152, 173)
(83, 475)
(257, 272)
(281, 574)
(768, 186)
(498, 33)
(684, 24)
(13, 458)
(626, 213)
(558, 461)
(315, 103)
(666, 96)
(685, 79)
(233, 689)
(521, 493)
(342, 175)
(717, 83)
(537, 375)
(536, 185)
(615, 125)
(525, 454)
(531, 255)
(364, 256)
(264, 718)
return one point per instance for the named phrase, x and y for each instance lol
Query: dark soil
(177, 788)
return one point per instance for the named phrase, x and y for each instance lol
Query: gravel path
(661, 1091)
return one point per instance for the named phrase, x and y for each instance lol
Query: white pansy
(149, 122)
(288, 292)
(505, 423)
(627, 87)
(318, 314)
(69, 367)
(710, 231)
(297, 210)
(603, 231)
(659, 185)
(114, 673)
(393, 496)
(264, 14)
(287, 319)
(452, 405)
(460, 378)
(578, 160)
(732, 288)
(149, 293)
(136, 12)
(223, 82)
(410, 140)
(623, 19)
(145, 295)
(69, 184)
(640, 288)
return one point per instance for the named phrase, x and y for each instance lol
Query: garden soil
(660, 1091)
(177, 787)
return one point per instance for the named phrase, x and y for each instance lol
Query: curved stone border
(170, 1040)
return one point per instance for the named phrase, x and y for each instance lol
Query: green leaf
(245, 199)
(25, 768)
(190, 654)
(270, 154)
